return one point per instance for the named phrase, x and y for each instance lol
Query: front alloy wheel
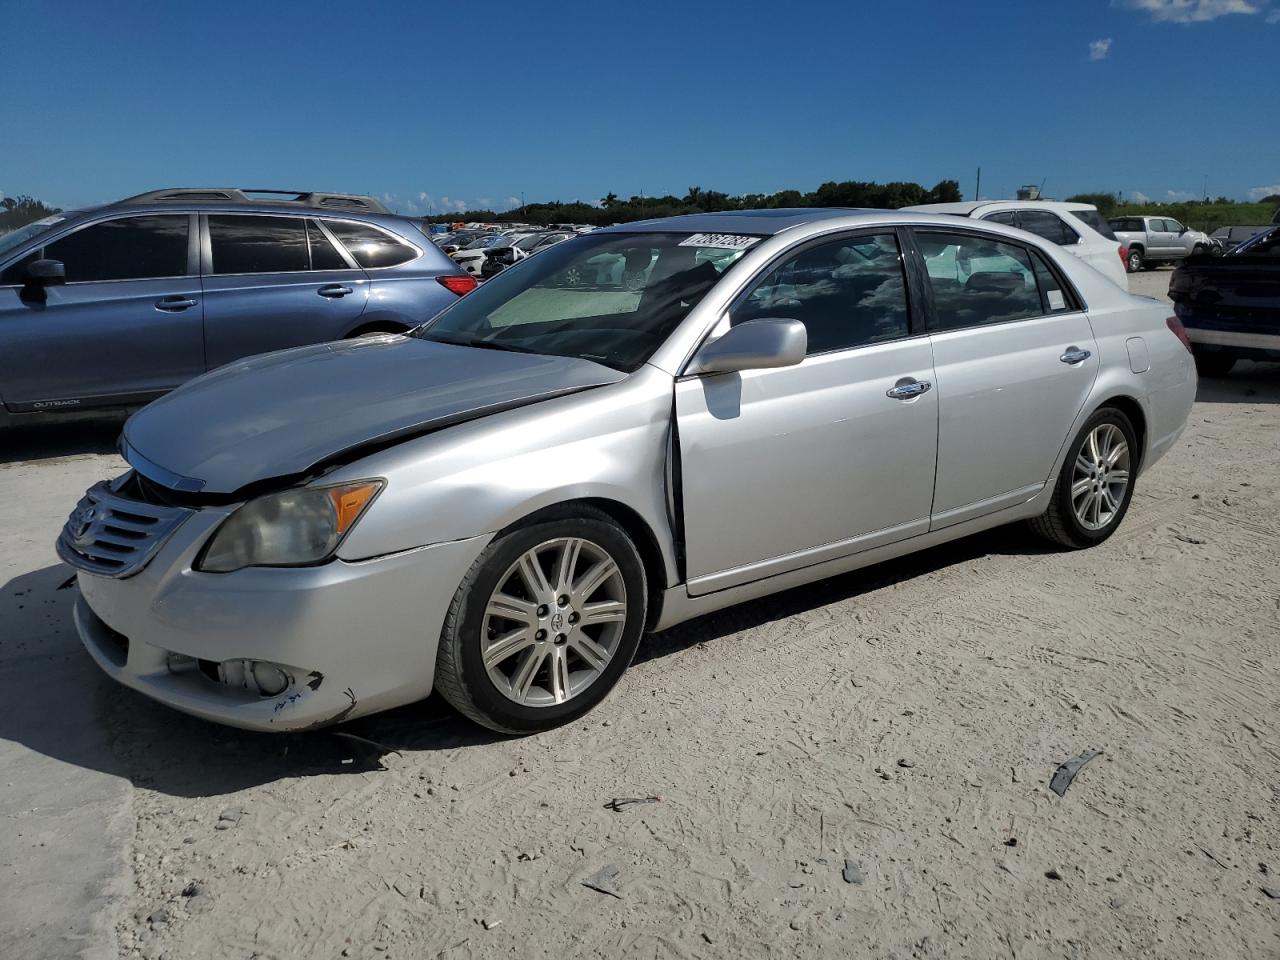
(554, 622)
(544, 623)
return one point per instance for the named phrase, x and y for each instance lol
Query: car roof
(766, 222)
(967, 208)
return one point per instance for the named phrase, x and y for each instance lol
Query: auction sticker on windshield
(723, 241)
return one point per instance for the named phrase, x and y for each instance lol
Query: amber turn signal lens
(349, 502)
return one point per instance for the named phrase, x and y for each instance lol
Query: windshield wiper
(481, 344)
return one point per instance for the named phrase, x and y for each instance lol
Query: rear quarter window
(1093, 218)
(370, 246)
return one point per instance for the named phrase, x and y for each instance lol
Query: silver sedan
(634, 428)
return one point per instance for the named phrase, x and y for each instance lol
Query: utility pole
(977, 187)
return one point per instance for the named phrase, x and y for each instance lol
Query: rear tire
(1136, 260)
(1095, 484)
(1213, 365)
(517, 661)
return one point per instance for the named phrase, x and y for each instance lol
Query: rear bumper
(353, 638)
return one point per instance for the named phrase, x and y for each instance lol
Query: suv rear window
(258, 244)
(370, 246)
(1094, 219)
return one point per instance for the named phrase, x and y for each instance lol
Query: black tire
(1136, 261)
(461, 677)
(1059, 523)
(1213, 365)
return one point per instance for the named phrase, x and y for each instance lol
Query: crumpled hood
(281, 414)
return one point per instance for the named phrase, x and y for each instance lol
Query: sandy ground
(906, 719)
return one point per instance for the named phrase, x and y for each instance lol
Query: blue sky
(433, 104)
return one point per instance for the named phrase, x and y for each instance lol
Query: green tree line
(615, 209)
(17, 212)
(1207, 215)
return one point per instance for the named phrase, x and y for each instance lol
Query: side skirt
(678, 606)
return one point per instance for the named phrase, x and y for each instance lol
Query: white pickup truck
(1155, 240)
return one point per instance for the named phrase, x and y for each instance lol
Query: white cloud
(1257, 193)
(1179, 195)
(512, 202)
(1137, 196)
(1099, 49)
(1191, 11)
(1274, 16)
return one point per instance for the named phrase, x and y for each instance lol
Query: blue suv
(112, 306)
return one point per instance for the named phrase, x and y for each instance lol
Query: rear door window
(258, 244)
(1007, 217)
(324, 255)
(370, 246)
(128, 248)
(978, 281)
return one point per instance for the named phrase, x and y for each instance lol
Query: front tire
(544, 624)
(1095, 485)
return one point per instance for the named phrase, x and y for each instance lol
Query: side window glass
(248, 244)
(1007, 217)
(1173, 226)
(848, 293)
(1055, 298)
(16, 272)
(978, 280)
(324, 256)
(370, 246)
(130, 248)
(1046, 225)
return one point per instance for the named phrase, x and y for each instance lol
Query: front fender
(608, 443)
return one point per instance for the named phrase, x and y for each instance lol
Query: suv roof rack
(299, 198)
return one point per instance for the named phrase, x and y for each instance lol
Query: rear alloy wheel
(1212, 365)
(1135, 259)
(544, 624)
(1095, 484)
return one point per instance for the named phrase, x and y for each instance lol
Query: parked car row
(490, 253)
(631, 429)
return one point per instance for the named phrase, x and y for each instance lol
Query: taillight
(1179, 331)
(1124, 255)
(459, 285)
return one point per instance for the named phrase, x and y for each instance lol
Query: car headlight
(290, 529)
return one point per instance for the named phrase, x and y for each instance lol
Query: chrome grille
(113, 536)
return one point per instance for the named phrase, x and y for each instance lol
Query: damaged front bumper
(329, 642)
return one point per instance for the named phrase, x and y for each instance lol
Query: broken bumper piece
(275, 649)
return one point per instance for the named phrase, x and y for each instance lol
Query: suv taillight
(1179, 331)
(458, 285)
(1124, 255)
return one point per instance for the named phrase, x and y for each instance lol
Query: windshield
(529, 242)
(489, 240)
(16, 238)
(608, 297)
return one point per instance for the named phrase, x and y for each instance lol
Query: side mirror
(753, 345)
(46, 273)
(40, 275)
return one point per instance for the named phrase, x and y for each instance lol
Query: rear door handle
(334, 290)
(906, 388)
(1075, 355)
(175, 304)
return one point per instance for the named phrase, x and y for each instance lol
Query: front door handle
(334, 290)
(175, 304)
(906, 389)
(1075, 355)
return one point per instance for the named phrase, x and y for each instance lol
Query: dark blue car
(113, 306)
(1230, 305)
